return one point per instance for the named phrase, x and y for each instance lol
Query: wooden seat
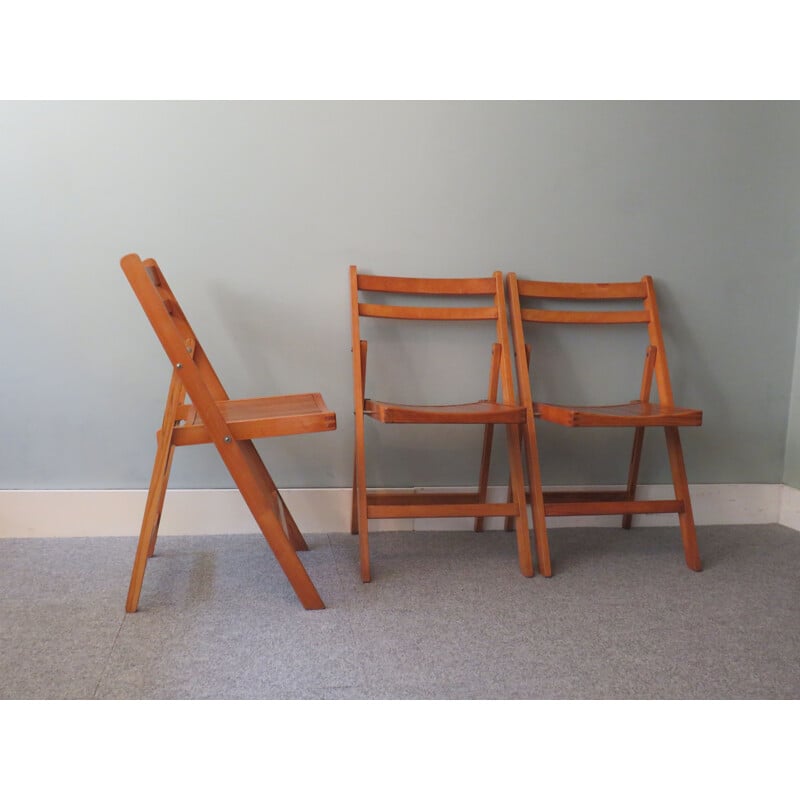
(638, 414)
(491, 410)
(474, 413)
(231, 425)
(258, 417)
(623, 415)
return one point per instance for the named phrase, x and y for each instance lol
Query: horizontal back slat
(423, 312)
(582, 291)
(449, 286)
(584, 317)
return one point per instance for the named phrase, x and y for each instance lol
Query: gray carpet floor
(448, 615)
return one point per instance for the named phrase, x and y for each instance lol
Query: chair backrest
(523, 294)
(381, 289)
(178, 340)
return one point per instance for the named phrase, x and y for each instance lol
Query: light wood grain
(426, 312)
(638, 414)
(585, 317)
(638, 436)
(499, 408)
(623, 415)
(426, 286)
(478, 413)
(230, 425)
(488, 435)
(581, 291)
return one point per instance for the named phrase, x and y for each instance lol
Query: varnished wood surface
(488, 436)
(622, 415)
(638, 436)
(426, 286)
(585, 317)
(229, 424)
(426, 312)
(478, 413)
(449, 509)
(505, 411)
(581, 291)
(261, 417)
(390, 497)
(638, 414)
(579, 495)
(598, 508)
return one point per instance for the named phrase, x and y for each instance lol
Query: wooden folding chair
(396, 505)
(638, 414)
(231, 425)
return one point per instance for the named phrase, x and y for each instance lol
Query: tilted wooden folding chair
(231, 425)
(396, 505)
(637, 414)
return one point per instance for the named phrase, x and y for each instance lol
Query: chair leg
(360, 472)
(483, 476)
(279, 507)
(638, 437)
(488, 432)
(537, 499)
(354, 507)
(287, 520)
(518, 486)
(283, 514)
(160, 503)
(360, 500)
(294, 532)
(686, 518)
(509, 524)
(254, 482)
(151, 518)
(633, 473)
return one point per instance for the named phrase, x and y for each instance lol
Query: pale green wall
(791, 474)
(255, 210)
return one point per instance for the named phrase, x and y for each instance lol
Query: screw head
(228, 439)
(178, 365)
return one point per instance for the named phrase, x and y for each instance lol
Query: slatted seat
(382, 504)
(526, 300)
(636, 413)
(231, 425)
(467, 413)
(258, 417)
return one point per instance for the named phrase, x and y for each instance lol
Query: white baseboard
(789, 514)
(65, 513)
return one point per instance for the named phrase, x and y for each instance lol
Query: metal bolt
(227, 439)
(178, 365)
